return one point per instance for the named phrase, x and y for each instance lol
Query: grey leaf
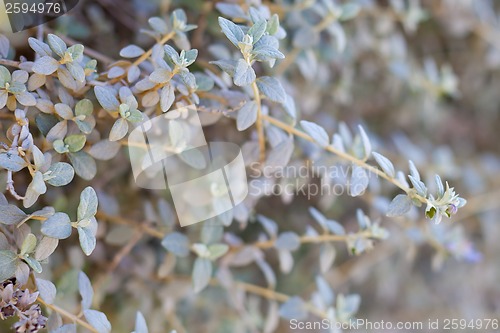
(4, 46)
(294, 308)
(86, 290)
(385, 164)
(400, 205)
(140, 323)
(10, 215)
(317, 132)
(359, 181)
(88, 204)
(288, 241)
(119, 130)
(8, 260)
(107, 98)
(247, 116)
(77, 71)
(57, 44)
(202, 273)
(272, 88)
(12, 162)
(176, 243)
(57, 226)
(104, 150)
(98, 320)
(131, 51)
(231, 30)
(87, 240)
(45, 65)
(335, 227)
(167, 97)
(47, 290)
(59, 174)
(83, 164)
(231, 9)
(243, 74)
(367, 146)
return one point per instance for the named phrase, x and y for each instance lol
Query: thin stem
(259, 125)
(10, 63)
(316, 239)
(148, 53)
(68, 315)
(143, 227)
(347, 157)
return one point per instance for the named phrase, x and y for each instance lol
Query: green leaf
(231, 30)
(88, 204)
(29, 244)
(400, 205)
(33, 263)
(59, 174)
(243, 74)
(75, 142)
(57, 226)
(8, 264)
(5, 76)
(12, 162)
(84, 108)
(176, 243)
(10, 215)
(76, 51)
(60, 147)
(273, 25)
(98, 320)
(202, 272)
(217, 250)
(272, 88)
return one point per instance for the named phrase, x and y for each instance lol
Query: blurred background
(423, 77)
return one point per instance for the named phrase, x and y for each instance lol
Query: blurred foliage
(385, 95)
